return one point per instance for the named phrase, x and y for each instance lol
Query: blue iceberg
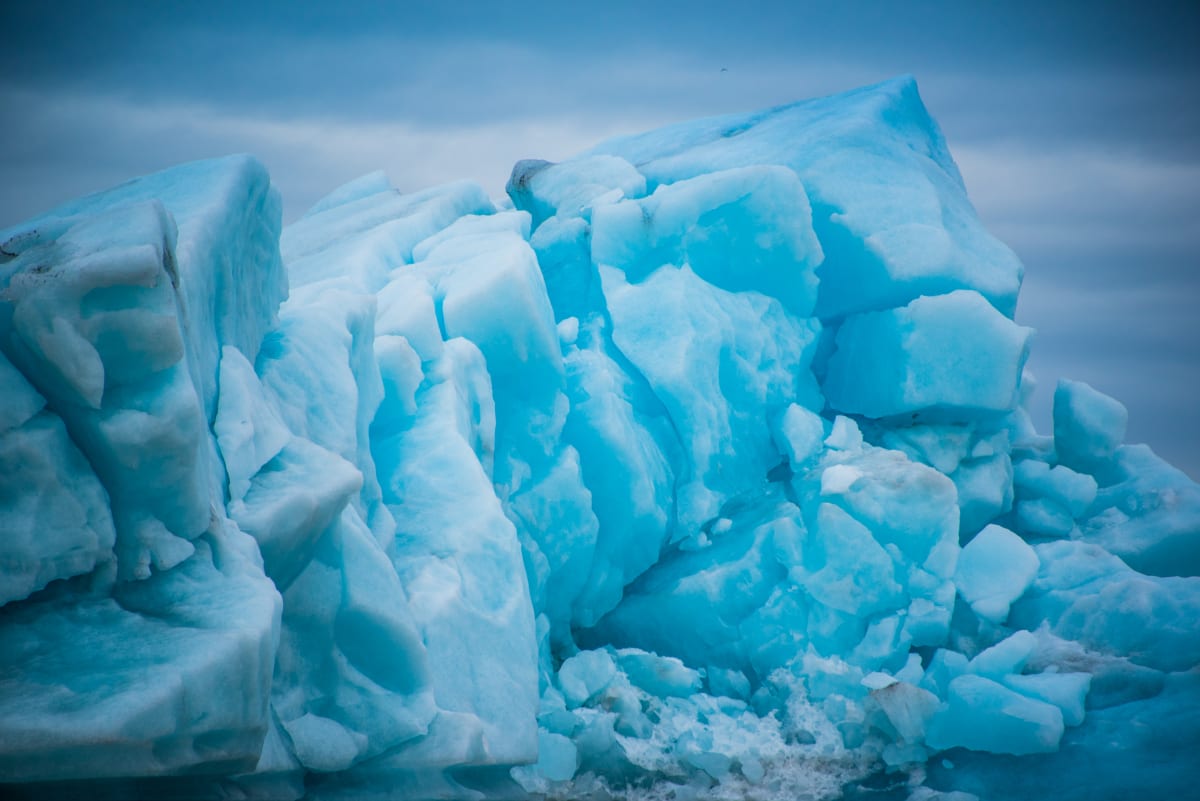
(696, 468)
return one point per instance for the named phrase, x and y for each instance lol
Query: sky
(1076, 126)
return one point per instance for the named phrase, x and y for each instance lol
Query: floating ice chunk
(1067, 691)
(1088, 426)
(661, 676)
(995, 569)
(1139, 749)
(948, 355)
(463, 455)
(983, 715)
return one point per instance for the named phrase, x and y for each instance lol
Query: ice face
(702, 470)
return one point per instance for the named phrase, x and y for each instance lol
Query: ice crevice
(703, 471)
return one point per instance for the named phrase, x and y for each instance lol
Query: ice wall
(700, 467)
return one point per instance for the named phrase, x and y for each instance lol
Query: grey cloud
(1077, 131)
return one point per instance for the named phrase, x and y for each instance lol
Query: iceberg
(698, 467)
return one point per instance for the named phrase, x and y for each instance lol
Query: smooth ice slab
(1088, 425)
(949, 356)
(994, 569)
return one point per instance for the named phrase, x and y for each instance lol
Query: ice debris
(700, 472)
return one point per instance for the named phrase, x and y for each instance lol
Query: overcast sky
(1077, 130)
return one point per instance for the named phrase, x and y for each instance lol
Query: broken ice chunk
(994, 569)
(1088, 426)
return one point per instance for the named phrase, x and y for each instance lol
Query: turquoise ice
(698, 464)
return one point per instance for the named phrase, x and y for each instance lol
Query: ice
(547, 189)
(93, 321)
(985, 716)
(663, 677)
(1149, 515)
(702, 470)
(225, 259)
(855, 574)
(1088, 426)
(887, 199)
(799, 435)
(1071, 491)
(132, 679)
(584, 675)
(1090, 596)
(55, 516)
(948, 356)
(995, 569)
(373, 183)
(1139, 749)
(1066, 691)
(760, 213)
(717, 361)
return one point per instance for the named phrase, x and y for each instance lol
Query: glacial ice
(703, 471)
